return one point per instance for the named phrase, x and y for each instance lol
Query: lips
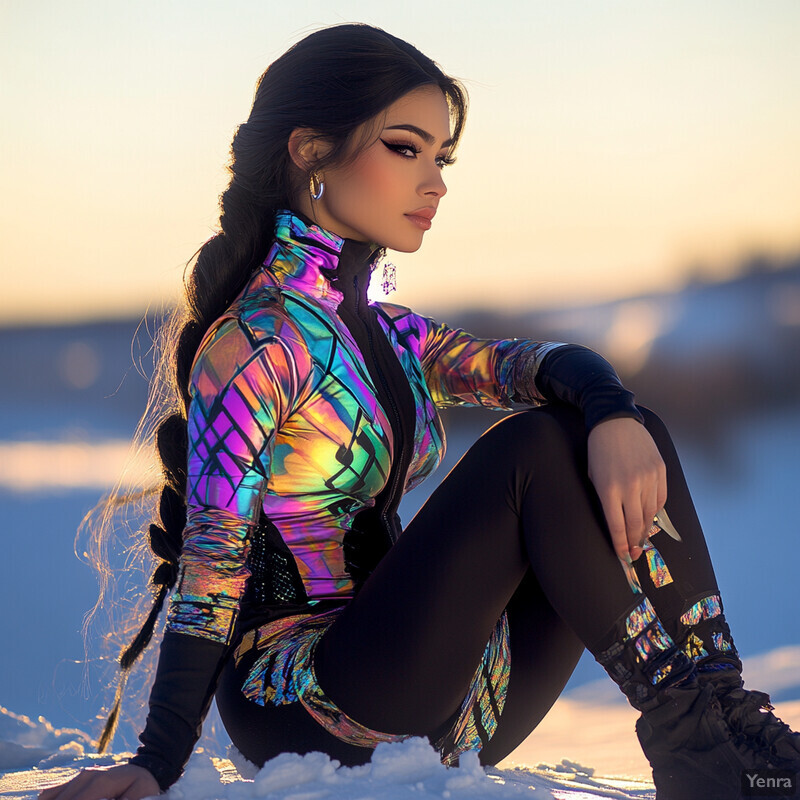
(422, 217)
(426, 213)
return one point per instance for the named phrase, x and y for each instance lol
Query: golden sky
(612, 147)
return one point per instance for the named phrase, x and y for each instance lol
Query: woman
(304, 413)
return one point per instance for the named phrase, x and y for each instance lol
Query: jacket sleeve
(461, 369)
(243, 388)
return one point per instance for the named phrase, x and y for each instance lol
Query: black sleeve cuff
(185, 682)
(577, 375)
(164, 774)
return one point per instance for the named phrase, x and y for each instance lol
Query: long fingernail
(665, 523)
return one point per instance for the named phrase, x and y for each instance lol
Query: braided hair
(330, 83)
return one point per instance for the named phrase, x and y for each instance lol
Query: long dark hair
(331, 82)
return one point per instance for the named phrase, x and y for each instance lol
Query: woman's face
(399, 172)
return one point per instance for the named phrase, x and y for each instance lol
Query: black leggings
(515, 525)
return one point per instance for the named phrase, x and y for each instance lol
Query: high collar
(314, 261)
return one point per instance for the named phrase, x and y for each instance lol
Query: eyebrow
(424, 135)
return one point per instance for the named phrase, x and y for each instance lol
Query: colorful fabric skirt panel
(284, 673)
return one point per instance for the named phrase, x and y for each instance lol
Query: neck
(315, 261)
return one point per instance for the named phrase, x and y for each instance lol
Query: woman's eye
(408, 150)
(400, 147)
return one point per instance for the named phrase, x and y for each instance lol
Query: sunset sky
(612, 147)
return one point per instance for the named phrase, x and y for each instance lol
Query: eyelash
(444, 161)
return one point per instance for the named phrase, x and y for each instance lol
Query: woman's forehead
(425, 108)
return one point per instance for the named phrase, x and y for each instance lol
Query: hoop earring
(315, 186)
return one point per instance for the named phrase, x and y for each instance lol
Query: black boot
(706, 637)
(751, 721)
(682, 730)
(689, 745)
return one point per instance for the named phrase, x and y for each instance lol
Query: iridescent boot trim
(642, 657)
(705, 636)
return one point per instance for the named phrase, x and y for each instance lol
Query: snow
(409, 769)
(34, 755)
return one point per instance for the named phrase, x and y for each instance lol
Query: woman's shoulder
(251, 328)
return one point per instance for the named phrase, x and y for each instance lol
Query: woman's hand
(120, 782)
(631, 480)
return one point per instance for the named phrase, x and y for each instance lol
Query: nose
(434, 183)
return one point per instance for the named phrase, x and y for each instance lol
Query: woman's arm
(462, 369)
(244, 384)
(574, 374)
(624, 464)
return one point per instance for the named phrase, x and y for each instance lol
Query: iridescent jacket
(312, 412)
(288, 435)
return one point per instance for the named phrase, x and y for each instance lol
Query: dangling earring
(315, 186)
(388, 284)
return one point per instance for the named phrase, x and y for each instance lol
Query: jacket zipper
(399, 446)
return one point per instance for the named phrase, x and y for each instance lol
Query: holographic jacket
(287, 417)
(313, 410)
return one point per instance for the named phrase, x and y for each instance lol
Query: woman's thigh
(263, 732)
(401, 656)
(515, 525)
(545, 654)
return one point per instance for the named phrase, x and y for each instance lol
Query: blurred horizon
(611, 150)
(696, 275)
(705, 354)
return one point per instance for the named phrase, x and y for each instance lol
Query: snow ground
(578, 731)
(409, 769)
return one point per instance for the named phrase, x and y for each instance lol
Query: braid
(220, 272)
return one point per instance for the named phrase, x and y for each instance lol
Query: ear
(306, 148)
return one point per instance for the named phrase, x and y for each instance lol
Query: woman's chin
(405, 244)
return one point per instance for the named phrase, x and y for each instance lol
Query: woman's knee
(657, 428)
(555, 425)
(532, 443)
(547, 427)
(651, 420)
